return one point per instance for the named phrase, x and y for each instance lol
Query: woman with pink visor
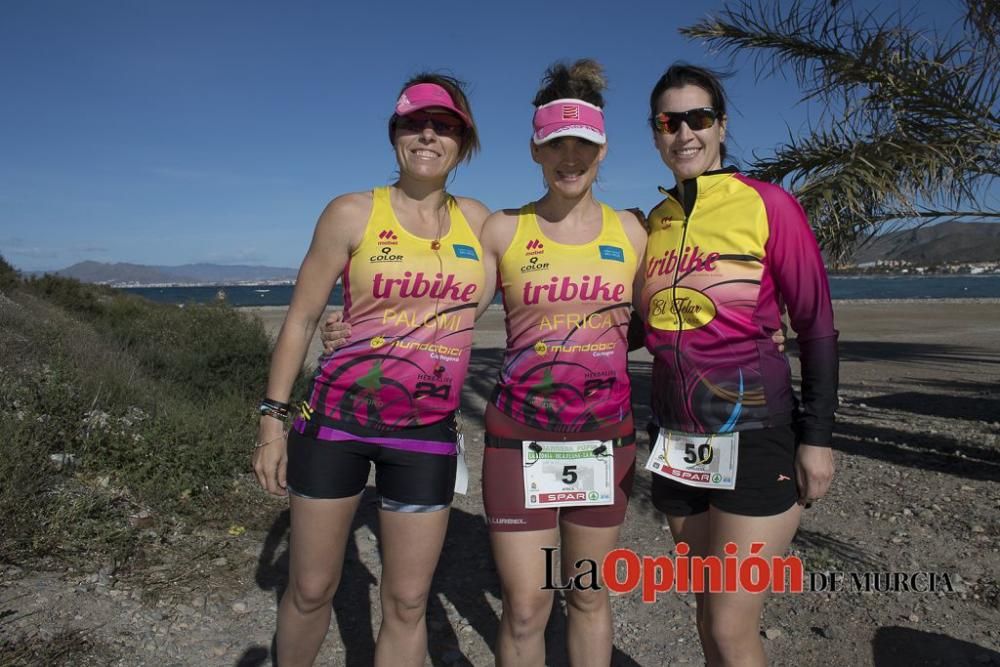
(560, 441)
(410, 261)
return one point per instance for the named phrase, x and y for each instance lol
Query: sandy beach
(917, 492)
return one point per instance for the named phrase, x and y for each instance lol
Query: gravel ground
(918, 457)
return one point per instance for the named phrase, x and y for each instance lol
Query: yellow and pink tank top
(411, 303)
(568, 308)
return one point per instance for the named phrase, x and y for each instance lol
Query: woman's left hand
(813, 472)
(335, 332)
(779, 338)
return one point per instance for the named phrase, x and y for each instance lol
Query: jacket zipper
(677, 310)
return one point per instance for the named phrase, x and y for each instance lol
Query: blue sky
(169, 132)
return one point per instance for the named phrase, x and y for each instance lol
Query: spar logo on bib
(677, 308)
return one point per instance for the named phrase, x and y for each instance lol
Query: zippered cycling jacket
(720, 267)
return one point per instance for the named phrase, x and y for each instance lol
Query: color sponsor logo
(386, 255)
(677, 308)
(613, 253)
(534, 265)
(465, 251)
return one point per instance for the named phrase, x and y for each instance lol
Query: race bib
(557, 474)
(703, 460)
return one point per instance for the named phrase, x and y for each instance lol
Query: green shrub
(9, 277)
(117, 405)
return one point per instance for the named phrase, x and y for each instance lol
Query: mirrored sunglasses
(669, 122)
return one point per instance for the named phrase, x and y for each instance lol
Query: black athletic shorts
(405, 480)
(765, 480)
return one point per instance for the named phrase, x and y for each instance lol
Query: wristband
(266, 410)
(277, 405)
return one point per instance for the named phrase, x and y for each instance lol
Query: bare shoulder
(348, 207)
(475, 212)
(634, 224)
(632, 218)
(499, 229)
(344, 219)
(347, 213)
(473, 208)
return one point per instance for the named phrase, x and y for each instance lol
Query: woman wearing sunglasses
(560, 442)
(410, 262)
(736, 456)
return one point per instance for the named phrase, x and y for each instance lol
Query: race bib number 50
(703, 460)
(557, 474)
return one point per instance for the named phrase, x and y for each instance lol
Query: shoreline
(914, 333)
(849, 302)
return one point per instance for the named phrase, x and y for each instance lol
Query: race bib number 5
(703, 460)
(557, 474)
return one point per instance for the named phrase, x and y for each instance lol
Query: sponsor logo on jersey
(417, 286)
(690, 260)
(386, 255)
(387, 237)
(680, 308)
(465, 251)
(612, 252)
(566, 289)
(534, 265)
(534, 247)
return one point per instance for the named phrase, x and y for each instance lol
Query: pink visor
(569, 118)
(427, 95)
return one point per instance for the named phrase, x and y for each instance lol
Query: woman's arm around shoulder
(498, 231)
(634, 224)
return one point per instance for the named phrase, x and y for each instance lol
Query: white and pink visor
(426, 95)
(569, 118)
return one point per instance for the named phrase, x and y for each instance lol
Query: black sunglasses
(445, 125)
(669, 122)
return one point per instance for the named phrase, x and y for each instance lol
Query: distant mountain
(121, 273)
(946, 243)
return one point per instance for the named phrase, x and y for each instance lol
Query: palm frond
(909, 127)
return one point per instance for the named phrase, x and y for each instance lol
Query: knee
(526, 614)
(312, 592)
(587, 601)
(729, 631)
(407, 606)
